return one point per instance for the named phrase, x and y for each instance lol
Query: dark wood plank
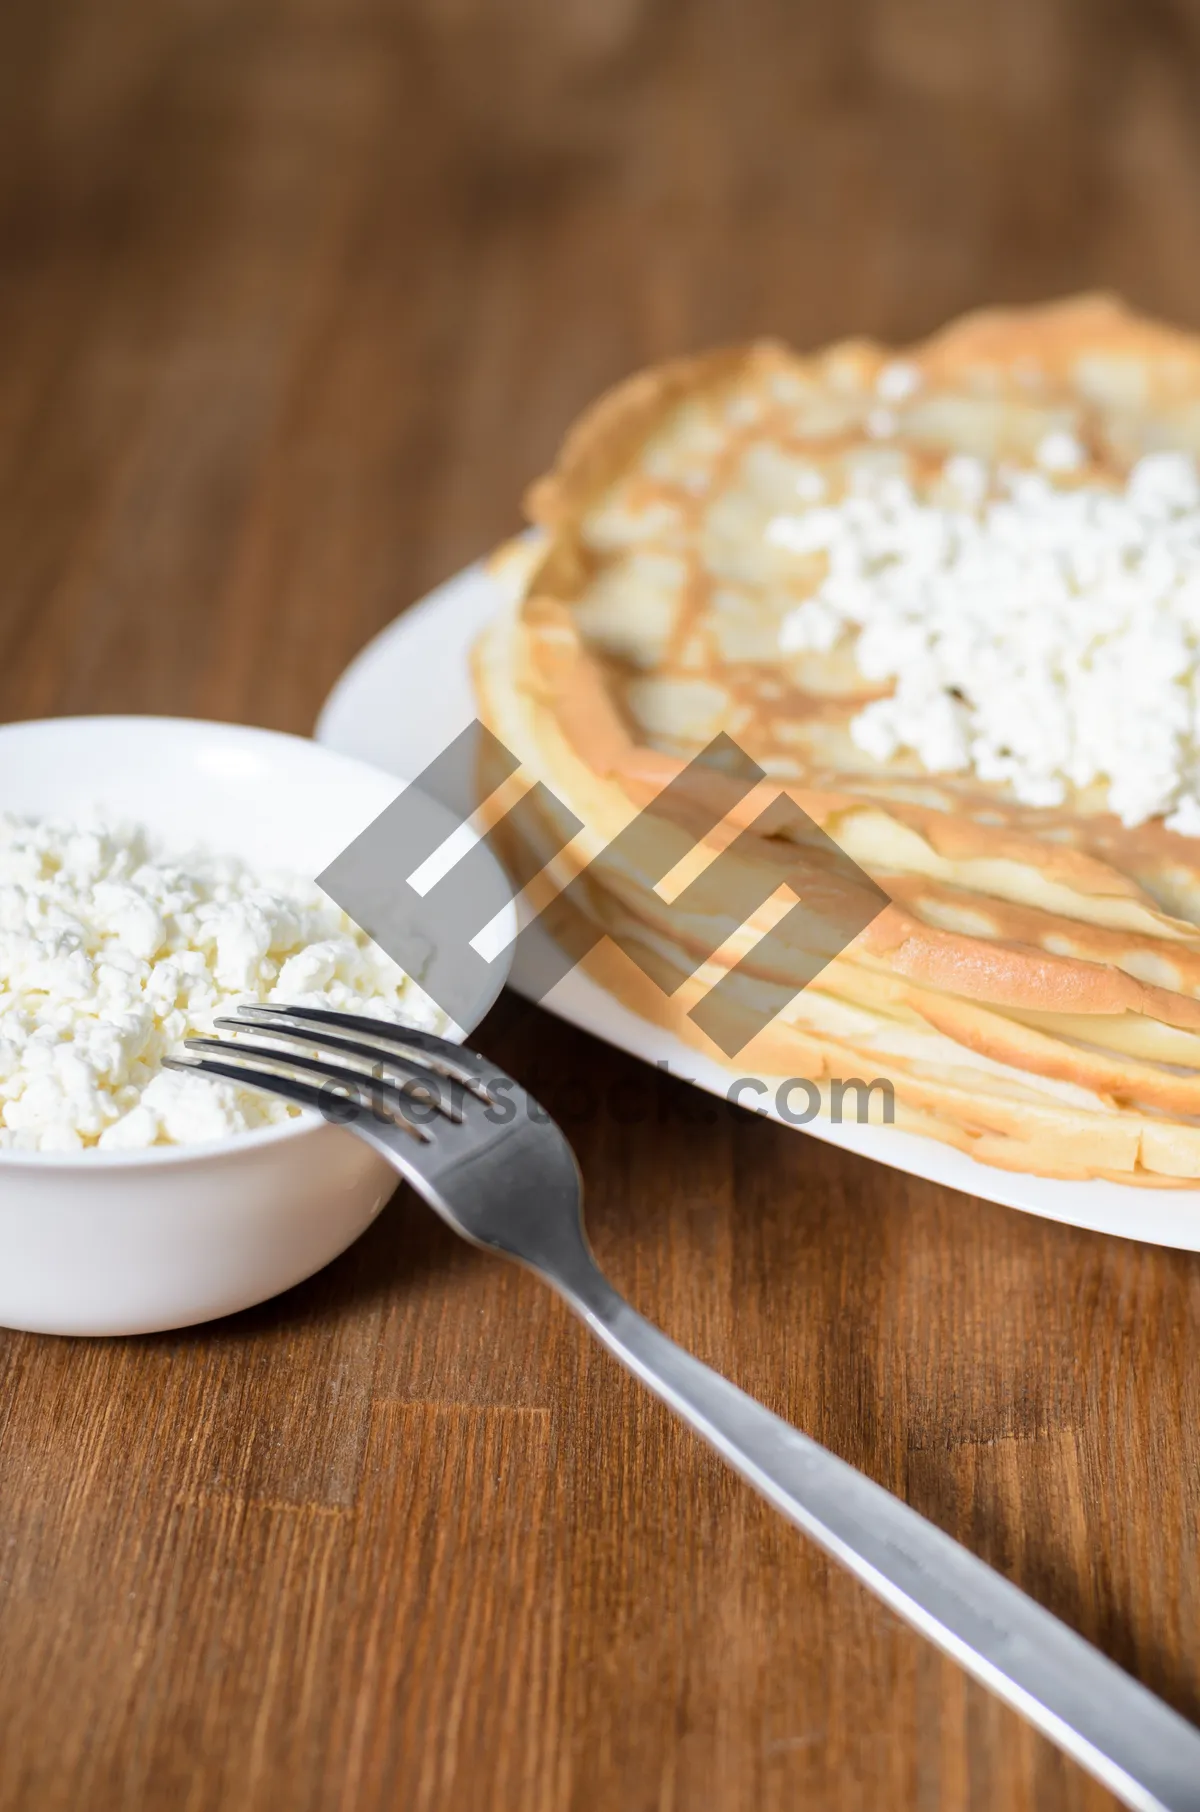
(293, 301)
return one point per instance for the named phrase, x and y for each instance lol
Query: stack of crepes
(1027, 974)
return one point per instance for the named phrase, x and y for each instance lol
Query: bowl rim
(307, 1121)
(153, 1157)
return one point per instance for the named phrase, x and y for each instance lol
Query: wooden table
(293, 300)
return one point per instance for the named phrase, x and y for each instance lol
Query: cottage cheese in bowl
(113, 951)
(155, 872)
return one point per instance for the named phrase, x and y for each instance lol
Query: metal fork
(500, 1172)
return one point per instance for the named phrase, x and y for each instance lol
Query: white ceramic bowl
(131, 1242)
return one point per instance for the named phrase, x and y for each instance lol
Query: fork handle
(1138, 1747)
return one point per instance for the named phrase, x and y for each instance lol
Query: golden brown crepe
(1033, 988)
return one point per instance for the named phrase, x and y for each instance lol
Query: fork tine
(417, 1068)
(302, 1093)
(366, 1089)
(408, 1041)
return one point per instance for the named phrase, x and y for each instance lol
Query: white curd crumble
(112, 953)
(1038, 630)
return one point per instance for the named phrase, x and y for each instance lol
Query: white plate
(409, 692)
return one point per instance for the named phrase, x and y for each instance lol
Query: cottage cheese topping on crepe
(1037, 632)
(949, 602)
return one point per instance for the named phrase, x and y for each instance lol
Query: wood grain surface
(294, 298)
